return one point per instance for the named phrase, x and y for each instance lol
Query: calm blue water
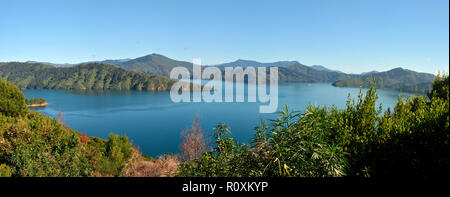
(154, 122)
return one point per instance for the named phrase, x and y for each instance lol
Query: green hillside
(289, 71)
(158, 65)
(154, 64)
(396, 79)
(91, 76)
(302, 73)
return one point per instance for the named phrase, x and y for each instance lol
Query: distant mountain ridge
(371, 72)
(113, 62)
(157, 64)
(302, 73)
(396, 79)
(322, 68)
(289, 71)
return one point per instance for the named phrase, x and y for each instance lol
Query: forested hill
(293, 71)
(301, 73)
(396, 79)
(96, 76)
(32, 75)
(152, 64)
(289, 71)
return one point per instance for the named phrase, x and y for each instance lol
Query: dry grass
(164, 166)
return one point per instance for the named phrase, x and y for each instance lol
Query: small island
(36, 102)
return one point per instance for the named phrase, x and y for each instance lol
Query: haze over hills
(289, 71)
(91, 76)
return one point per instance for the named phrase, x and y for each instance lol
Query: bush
(12, 100)
(35, 145)
(291, 145)
(117, 152)
(5, 171)
(228, 158)
(414, 140)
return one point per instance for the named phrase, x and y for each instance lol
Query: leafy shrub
(117, 152)
(227, 159)
(299, 145)
(414, 140)
(35, 145)
(12, 101)
(288, 146)
(5, 171)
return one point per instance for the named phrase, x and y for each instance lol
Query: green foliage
(35, 145)
(12, 101)
(355, 127)
(414, 140)
(91, 76)
(359, 140)
(440, 88)
(116, 154)
(5, 171)
(288, 146)
(299, 145)
(226, 160)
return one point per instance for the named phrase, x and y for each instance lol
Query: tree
(193, 142)
(12, 100)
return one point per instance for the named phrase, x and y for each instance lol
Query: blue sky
(349, 35)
